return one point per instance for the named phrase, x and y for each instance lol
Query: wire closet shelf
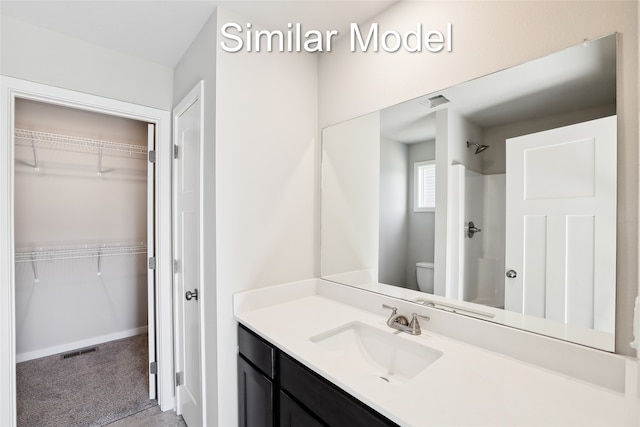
(52, 253)
(95, 250)
(44, 140)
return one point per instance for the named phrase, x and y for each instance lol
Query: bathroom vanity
(320, 353)
(271, 383)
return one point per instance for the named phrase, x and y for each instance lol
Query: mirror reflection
(495, 198)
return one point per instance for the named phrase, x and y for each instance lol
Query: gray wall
(406, 237)
(394, 174)
(421, 225)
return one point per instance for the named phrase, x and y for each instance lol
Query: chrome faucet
(401, 323)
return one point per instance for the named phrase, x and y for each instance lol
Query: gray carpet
(91, 389)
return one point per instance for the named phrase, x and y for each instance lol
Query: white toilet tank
(424, 272)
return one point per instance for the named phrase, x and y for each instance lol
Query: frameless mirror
(495, 198)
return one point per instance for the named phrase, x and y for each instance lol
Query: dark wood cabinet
(255, 396)
(326, 400)
(276, 390)
(294, 415)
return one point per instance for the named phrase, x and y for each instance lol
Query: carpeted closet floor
(91, 389)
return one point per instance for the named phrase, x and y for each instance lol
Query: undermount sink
(385, 354)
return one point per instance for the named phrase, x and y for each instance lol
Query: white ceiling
(161, 31)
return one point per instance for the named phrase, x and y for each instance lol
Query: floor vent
(79, 352)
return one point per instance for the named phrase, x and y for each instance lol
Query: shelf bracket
(34, 266)
(100, 161)
(99, 273)
(35, 155)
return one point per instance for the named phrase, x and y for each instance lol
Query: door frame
(12, 88)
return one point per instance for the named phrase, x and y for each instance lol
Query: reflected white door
(151, 272)
(188, 133)
(561, 224)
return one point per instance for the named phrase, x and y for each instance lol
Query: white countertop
(466, 386)
(590, 337)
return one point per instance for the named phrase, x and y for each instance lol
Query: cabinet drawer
(257, 351)
(328, 402)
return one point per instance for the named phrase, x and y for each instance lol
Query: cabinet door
(255, 397)
(294, 415)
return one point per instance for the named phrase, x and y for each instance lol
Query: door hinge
(152, 156)
(179, 378)
(152, 263)
(175, 151)
(153, 368)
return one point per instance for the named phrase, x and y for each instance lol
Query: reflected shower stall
(478, 212)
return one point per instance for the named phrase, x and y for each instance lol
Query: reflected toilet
(424, 273)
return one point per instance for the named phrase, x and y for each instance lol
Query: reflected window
(425, 186)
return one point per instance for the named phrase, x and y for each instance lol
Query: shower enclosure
(478, 203)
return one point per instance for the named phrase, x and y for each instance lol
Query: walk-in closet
(81, 273)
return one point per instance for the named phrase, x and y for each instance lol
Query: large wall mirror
(495, 198)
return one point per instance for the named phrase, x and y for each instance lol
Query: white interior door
(151, 272)
(187, 252)
(561, 224)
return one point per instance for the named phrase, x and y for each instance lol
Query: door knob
(512, 274)
(191, 294)
(472, 229)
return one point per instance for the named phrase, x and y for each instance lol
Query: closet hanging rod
(46, 140)
(77, 252)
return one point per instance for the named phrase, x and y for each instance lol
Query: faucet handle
(394, 315)
(393, 309)
(415, 325)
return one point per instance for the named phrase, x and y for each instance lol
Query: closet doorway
(83, 236)
(13, 91)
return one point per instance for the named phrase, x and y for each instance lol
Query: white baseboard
(23, 357)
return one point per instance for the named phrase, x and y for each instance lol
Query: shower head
(479, 148)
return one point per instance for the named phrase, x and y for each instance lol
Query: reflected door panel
(561, 224)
